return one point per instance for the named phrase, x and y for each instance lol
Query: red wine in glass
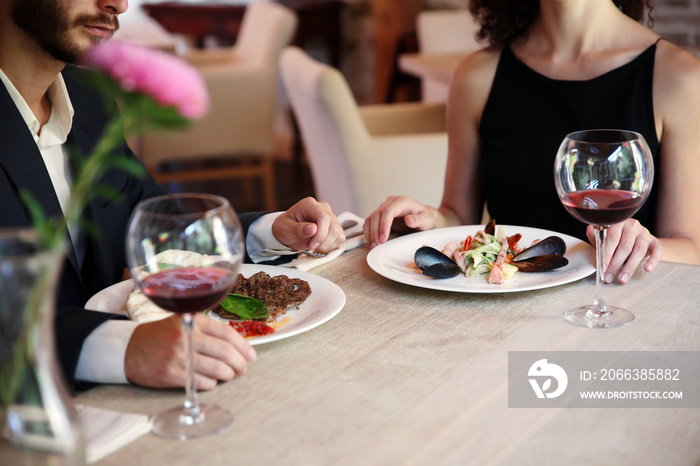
(184, 251)
(602, 177)
(602, 206)
(187, 289)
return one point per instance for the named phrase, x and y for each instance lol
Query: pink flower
(166, 79)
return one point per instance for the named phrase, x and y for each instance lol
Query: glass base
(589, 316)
(177, 423)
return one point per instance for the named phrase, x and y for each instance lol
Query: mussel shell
(435, 264)
(553, 245)
(541, 263)
(490, 228)
(442, 270)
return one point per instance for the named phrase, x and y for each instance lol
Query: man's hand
(309, 224)
(155, 355)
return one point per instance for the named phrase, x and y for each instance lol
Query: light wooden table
(434, 71)
(428, 66)
(412, 376)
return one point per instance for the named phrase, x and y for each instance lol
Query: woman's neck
(570, 28)
(581, 39)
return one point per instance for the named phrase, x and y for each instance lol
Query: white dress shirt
(102, 355)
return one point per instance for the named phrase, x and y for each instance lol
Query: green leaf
(165, 266)
(46, 228)
(105, 192)
(90, 227)
(128, 165)
(245, 307)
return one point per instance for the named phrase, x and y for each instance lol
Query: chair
(361, 155)
(243, 84)
(444, 32)
(147, 32)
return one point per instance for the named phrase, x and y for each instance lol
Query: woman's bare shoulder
(676, 79)
(470, 86)
(474, 74)
(675, 66)
(479, 64)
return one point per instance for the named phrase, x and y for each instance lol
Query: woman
(553, 67)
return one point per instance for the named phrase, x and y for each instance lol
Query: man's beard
(49, 24)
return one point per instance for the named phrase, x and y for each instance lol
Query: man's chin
(71, 53)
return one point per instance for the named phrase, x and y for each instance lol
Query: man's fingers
(156, 357)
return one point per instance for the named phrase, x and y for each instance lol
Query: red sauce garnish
(251, 328)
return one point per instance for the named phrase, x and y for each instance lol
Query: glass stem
(599, 304)
(191, 413)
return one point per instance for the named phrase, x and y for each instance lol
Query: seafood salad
(491, 254)
(486, 255)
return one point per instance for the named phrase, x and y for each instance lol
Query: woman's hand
(398, 213)
(626, 246)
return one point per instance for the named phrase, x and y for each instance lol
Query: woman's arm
(677, 109)
(676, 97)
(470, 85)
(462, 201)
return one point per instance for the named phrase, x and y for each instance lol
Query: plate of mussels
(417, 259)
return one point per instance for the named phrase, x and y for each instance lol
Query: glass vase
(39, 423)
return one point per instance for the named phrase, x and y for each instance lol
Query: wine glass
(602, 177)
(184, 252)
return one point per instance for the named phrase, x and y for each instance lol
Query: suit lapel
(85, 133)
(21, 159)
(23, 163)
(93, 262)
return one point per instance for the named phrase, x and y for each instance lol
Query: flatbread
(141, 309)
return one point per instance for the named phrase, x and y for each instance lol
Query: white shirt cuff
(102, 356)
(261, 244)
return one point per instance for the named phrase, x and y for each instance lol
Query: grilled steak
(279, 293)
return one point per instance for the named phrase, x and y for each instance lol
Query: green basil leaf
(245, 307)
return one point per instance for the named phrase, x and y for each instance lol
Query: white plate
(394, 260)
(324, 303)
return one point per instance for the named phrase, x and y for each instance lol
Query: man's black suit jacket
(22, 168)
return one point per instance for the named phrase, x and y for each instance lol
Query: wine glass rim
(224, 203)
(581, 135)
(12, 239)
(22, 233)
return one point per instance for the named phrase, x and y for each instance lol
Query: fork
(346, 224)
(308, 252)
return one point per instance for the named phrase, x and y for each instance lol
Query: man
(45, 112)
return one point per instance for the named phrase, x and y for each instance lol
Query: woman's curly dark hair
(503, 21)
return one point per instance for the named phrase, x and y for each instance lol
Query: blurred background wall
(678, 21)
(374, 32)
(371, 29)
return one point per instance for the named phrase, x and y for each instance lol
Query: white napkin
(107, 431)
(305, 263)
